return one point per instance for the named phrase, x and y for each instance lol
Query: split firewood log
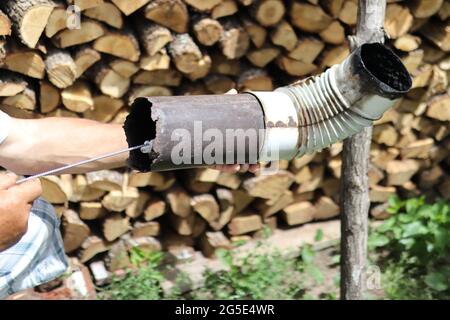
(179, 201)
(169, 77)
(92, 210)
(28, 18)
(89, 30)
(129, 6)
(299, 213)
(155, 208)
(136, 208)
(245, 223)
(207, 31)
(81, 191)
(61, 68)
(56, 189)
(104, 108)
(78, 97)
(185, 53)
(5, 25)
(224, 9)
(18, 59)
(107, 13)
(108, 81)
(74, 232)
(153, 37)
(92, 246)
(145, 229)
(267, 12)
(255, 79)
(235, 40)
(115, 225)
(263, 56)
(425, 9)
(119, 200)
(120, 43)
(203, 5)
(85, 57)
(398, 20)
(11, 84)
(284, 35)
(211, 241)
(309, 18)
(158, 61)
(206, 206)
(49, 97)
(172, 14)
(85, 4)
(107, 180)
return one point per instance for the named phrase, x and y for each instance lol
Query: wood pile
(128, 48)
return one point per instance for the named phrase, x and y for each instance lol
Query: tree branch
(354, 185)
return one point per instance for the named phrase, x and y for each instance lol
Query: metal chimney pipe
(291, 121)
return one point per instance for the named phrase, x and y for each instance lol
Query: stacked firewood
(90, 58)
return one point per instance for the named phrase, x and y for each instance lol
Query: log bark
(355, 195)
(185, 53)
(152, 36)
(235, 40)
(61, 68)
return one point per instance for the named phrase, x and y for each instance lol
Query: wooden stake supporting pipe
(355, 165)
(193, 131)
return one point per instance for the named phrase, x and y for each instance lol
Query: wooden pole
(355, 187)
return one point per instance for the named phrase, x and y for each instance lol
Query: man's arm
(37, 145)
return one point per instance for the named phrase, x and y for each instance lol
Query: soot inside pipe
(386, 67)
(140, 128)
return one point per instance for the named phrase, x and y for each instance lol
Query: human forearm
(38, 145)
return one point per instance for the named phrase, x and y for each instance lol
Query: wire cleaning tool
(145, 148)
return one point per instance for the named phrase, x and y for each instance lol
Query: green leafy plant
(140, 283)
(417, 239)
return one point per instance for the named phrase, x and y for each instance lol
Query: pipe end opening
(139, 127)
(386, 67)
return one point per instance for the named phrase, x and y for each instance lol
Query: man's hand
(15, 205)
